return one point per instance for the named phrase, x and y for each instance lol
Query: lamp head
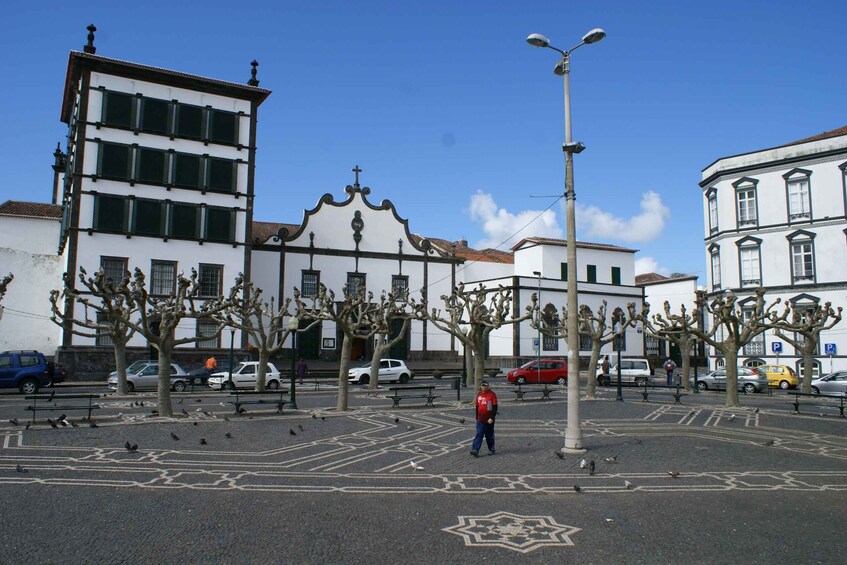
(538, 40)
(536, 273)
(592, 36)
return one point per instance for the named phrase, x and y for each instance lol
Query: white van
(636, 371)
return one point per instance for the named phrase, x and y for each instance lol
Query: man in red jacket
(486, 412)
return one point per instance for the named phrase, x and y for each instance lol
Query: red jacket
(486, 406)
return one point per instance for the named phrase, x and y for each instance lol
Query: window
(103, 339)
(749, 260)
(713, 213)
(209, 328)
(189, 121)
(592, 273)
(184, 221)
(399, 284)
(716, 269)
(220, 224)
(223, 126)
(114, 161)
(110, 213)
(619, 343)
(118, 109)
(745, 193)
(551, 343)
(756, 346)
(616, 275)
(151, 166)
(799, 202)
(211, 279)
(585, 342)
(564, 271)
(154, 115)
(651, 346)
(115, 269)
(355, 281)
(221, 175)
(802, 261)
(147, 217)
(162, 278)
(309, 283)
(186, 170)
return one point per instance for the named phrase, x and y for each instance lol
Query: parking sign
(776, 347)
(829, 348)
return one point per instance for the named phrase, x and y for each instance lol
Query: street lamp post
(618, 330)
(293, 325)
(573, 431)
(538, 351)
(231, 362)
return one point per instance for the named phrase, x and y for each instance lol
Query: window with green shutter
(147, 217)
(189, 121)
(118, 109)
(564, 271)
(187, 170)
(184, 220)
(154, 115)
(221, 175)
(110, 213)
(592, 273)
(114, 161)
(223, 126)
(219, 224)
(150, 165)
(616, 275)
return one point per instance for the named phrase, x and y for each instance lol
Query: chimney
(253, 80)
(89, 48)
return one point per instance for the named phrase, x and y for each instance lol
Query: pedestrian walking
(669, 367)
(486, 412)
(300, 369)
(211, 363)
(604, 367)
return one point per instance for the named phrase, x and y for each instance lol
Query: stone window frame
(746, 185)
(795, 177)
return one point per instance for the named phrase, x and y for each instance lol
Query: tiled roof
(579, 244)
(824, 135)
(444, 247)
(648, 278)
(30, 210)
(262, 231)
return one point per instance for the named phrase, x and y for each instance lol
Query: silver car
(749, 380)
(147, 378)
(833, 383)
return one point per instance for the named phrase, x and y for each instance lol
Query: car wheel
(521, 380)
(749, 388)
(130, 387)
(641, 381)
(364, 379)
(561, 380)
(198, 380)
(702, 386)
(179, 386)
(784, 385)
(816, 390)
(404, 378)
(273, 385)
(230, 385)
(29, 386)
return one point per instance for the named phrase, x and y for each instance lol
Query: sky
(452, 116)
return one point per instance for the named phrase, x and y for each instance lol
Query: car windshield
(527, 365)
(366, 365)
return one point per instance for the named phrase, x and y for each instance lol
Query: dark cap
(483, 383)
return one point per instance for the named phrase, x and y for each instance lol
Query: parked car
(782, 376)
(833, 383)
(200, 376)
(27, 371)
(749, 380)
(147, 378)
(133, 368)
(540, 371)
(636, 371)
(390, 370)
(245, 375)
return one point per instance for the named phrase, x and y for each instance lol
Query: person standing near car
(486, 412)
(670, 366)
(604, 367)
(300, 369)
(211, 364)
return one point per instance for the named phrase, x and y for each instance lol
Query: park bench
(825, 400)
(62, 403)
(403, 392)
(524, 388)
(258, 397)
(654, 389)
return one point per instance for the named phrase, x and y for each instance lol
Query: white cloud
(602, 225)
(645, 265)
(501, 225)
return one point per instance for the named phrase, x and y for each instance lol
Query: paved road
(759, 487)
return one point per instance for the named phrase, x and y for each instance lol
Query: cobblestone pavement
(689, 483)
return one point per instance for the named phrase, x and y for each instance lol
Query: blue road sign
(829, 348)
(776, 347)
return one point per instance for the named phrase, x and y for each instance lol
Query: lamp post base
(573, 442)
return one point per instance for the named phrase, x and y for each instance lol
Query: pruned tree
(4, 284)
(808, 322)
(392, 307)
(106, 306)
(678, 334)
(471, 315)
(353, 315)
(732, 326)
(160, 316)
(594, 325)
(265, 324)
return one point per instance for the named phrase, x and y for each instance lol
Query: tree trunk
(262, 370)
(379, 349)
(685, 352)
(809, 347)
(591, 388)
(165, 408)
(343, 369)
(730, 356)
(478, 368)
(120, 366)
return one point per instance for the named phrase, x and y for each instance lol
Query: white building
(677, 291)
(776, 218)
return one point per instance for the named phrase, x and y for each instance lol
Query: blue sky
(453, 116)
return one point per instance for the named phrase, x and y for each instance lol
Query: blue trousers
(487, 430)
(670, 377)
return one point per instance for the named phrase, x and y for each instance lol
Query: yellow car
(782, 376)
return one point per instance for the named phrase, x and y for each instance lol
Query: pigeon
(410, 427)
(612, 459)
(74, 425)
(14, 422)
(63, 420)
(202, 441)
(415, 466)
(462, 421)
(134, 447)
(176, 437)
(184, 411)
(299, 427)
(195, 423)
(291, 432)
(323, 417)
(591, 467)
(583, 464)
(559, 454)
(92, 424)
(418, 448)
(396, 420)
(154, 412)
(241, 410)
(228, 435)
(769, 443)
(756, 411)
(52, 423)
(120, 415)
(628, 485)
(28, 424)
(141, 403)
(21, 469)
(226, 419)
(179, 401)
(198, 400)
(673, 474)
(577, 488)
(731, 417)
(314, 416)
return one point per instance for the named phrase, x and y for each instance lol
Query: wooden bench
(524, 388)
(403, 392)
(675, 388)
(253, 398)
(826, 400)
(60, 403)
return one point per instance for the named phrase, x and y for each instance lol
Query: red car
(541, 371)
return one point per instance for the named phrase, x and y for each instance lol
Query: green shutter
(592, 273)
(616, 275)
(564, 271)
